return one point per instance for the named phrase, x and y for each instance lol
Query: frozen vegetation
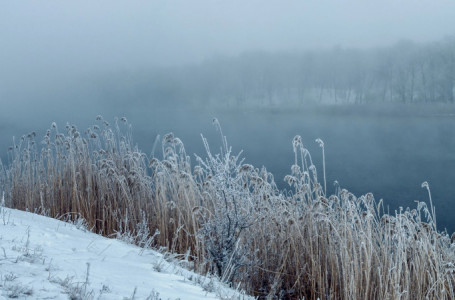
(220, 217)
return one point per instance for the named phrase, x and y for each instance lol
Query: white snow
(44, 258)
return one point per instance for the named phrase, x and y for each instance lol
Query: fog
(48, 46)
(109, 34)
(374, 79)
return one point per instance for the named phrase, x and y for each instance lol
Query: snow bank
(44, 258)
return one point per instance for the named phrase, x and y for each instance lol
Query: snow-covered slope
(44, 258)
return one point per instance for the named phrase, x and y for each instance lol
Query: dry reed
(231, 219)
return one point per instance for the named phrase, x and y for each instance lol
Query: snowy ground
(43, 258)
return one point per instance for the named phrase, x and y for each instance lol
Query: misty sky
(48, 35)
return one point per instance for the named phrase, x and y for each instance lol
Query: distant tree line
(406, 72)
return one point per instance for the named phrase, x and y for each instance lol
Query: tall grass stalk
(231, 219)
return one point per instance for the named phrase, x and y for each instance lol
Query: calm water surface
(388, 154)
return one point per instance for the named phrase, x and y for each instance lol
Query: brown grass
(232, 219)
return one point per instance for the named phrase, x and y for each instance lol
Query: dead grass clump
(101, 177)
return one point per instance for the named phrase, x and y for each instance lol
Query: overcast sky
(130, 34)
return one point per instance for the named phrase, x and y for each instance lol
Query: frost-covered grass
(229, 219)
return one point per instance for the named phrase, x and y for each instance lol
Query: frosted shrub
(235, 197)
(223, 182)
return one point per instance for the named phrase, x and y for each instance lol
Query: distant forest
(406, 72)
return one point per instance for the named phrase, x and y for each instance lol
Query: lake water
(389, 153)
